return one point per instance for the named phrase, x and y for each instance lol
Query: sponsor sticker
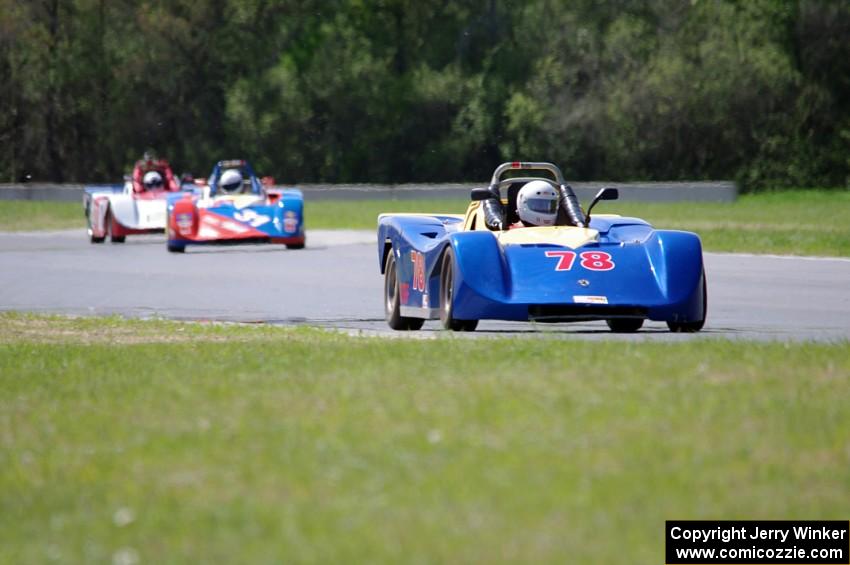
(184, 222)
(590, 299)
(251, 217)
(418, 270)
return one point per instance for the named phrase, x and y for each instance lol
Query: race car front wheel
(92, 238)
(447, 317)
(110, 228)
(392, 302)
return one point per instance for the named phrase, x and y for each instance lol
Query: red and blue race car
(135, 207)
(235, 206)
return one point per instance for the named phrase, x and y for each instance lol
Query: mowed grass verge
(25, 215)
(132, 441)
(803, 222)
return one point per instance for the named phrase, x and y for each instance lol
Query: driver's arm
(570, 207)
(494, 214)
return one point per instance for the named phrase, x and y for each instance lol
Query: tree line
(756, 91)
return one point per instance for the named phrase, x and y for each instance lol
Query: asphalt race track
(335, 283)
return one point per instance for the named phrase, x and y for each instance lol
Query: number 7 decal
(566, 259)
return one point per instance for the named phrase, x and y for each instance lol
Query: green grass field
(133, 441)
(21, 215)
(804, 222)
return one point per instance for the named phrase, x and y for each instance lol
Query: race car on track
(235, 206)
(571, 266)
(135, 207)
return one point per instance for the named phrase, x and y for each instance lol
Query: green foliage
(404, 90)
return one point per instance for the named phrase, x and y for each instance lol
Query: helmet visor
(154, 183)
(542, 205)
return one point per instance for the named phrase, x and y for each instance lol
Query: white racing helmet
(537, 203)
(231, 181)
(152, 180)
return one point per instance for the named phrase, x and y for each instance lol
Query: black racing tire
(392, 303)
(447, 318)
(94, 239)
(295, 245)
(624, 325)
(696, 325)
(176, 248)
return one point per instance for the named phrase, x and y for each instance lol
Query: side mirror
(483, 194)
(603, 194)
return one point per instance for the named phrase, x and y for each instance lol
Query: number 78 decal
(590, 260)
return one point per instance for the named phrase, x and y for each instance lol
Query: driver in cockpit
(536, 205)
(230, 182)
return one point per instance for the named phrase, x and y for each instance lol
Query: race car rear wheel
(175, 248)
(447, 298)
(696, 325)
(392, 302)
(624, 325)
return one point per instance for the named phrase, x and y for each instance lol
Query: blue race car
(235, 206)
(487, 265)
